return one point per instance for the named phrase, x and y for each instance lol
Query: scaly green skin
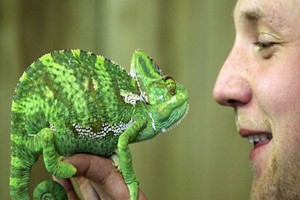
(72, 101)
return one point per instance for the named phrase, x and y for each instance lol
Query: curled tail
(49, 190)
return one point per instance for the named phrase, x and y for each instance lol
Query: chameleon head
(166, 98)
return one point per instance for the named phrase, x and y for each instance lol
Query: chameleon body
(72, 101)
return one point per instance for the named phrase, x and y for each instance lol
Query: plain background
(202, 158)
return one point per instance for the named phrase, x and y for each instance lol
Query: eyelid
(265, 41)
(267, 38)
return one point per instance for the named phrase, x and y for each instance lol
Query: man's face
(261, 80)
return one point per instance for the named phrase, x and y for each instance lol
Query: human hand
(97, 178)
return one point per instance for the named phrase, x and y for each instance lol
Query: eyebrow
(255, 15)
(251, 15)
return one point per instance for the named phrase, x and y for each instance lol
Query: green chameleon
(72, 101)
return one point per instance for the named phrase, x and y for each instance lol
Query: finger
(102, 174)
(87, 189)
(67, 184)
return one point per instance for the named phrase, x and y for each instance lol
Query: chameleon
(74, 101)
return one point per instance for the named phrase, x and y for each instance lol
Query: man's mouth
(259, 139)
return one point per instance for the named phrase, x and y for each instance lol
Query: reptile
(73, 101)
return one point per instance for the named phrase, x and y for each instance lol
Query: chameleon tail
(21, 163)
(49, 190)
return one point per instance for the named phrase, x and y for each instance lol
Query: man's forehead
(256, 9)
(279, 13)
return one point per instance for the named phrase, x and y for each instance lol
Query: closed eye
(266, 49)
(264, 45)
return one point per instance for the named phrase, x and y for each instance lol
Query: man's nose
(231, 87)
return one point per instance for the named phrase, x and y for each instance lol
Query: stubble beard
(281, 181)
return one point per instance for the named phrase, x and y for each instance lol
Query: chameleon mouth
(177, 116)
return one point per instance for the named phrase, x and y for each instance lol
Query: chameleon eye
(171, 85)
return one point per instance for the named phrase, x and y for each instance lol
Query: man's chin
(263, 185)
(279, 180)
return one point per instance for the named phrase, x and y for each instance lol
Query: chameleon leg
(125, 158)
(54, 163)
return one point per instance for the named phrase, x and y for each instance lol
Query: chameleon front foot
(62, 169)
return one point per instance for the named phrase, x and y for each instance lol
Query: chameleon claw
(133, 190)
(116, 162)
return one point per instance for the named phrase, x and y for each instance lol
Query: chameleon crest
(72, 101)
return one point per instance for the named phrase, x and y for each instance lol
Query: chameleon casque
(73, 101)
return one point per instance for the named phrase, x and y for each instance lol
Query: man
(261, 80)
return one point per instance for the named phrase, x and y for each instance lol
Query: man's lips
(258, 138)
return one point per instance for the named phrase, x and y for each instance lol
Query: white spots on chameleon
(52, 127)
(131, 98)
(144, 96)
(143, 93)
(153, 122)
(132, 73)
(116, 130)
(134, 76)
(69, 61)
(161, 98)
